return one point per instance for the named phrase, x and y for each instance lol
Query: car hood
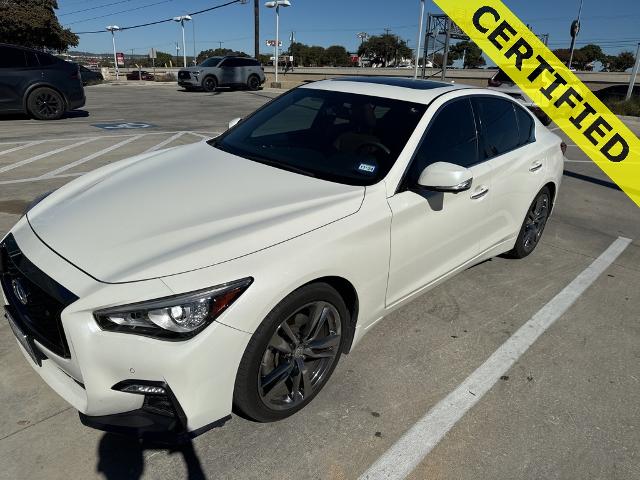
(182, 209)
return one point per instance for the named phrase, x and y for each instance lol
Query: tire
(253, 83)
(210, 84)
(290, 357)
(45, 103)
(533, 225)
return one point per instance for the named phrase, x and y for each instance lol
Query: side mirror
(445, 177)
(233, 122)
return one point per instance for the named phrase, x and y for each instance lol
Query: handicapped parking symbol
(123, 126)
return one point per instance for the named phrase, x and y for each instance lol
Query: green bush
(629, 107)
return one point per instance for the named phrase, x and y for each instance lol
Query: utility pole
(634, 73)
(256, 28)
(362, 36)
(575, 28)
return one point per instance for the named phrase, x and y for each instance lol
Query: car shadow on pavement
(23, 116)
(121, 457)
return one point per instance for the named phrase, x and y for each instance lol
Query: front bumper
(200, 371)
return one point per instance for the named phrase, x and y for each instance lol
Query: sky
(613, 24)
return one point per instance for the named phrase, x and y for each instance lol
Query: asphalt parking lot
(567, 408)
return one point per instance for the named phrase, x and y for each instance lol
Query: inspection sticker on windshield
(364, 167)
(553, 87)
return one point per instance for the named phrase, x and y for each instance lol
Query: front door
(433, 233)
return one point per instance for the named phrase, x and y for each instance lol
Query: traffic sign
(272, 43)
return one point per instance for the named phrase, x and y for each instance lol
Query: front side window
(499, 126)
(12, 58)
(342, 137)
(451, 137)
(211, 62)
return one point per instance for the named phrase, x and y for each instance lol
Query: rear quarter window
(526, 126)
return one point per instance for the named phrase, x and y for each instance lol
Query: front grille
(182, 75)
(35, 299)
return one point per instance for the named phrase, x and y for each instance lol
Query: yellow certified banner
(553, 87)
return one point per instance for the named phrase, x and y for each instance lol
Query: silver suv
(217, 72)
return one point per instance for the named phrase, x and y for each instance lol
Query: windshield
(342, 137)
(211, 62)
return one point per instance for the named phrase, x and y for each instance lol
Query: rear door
(507, 143)
(433, 233)
(231, 71)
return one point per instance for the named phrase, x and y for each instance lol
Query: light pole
(181, 19)
(575, 28)
(113, 29)
(415, 74)
(634, 73)
(277, 4)
(363, 37)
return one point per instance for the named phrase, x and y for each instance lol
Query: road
(567, 408)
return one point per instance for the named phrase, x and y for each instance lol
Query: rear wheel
(45, 104)
(253, 83)
(533, 225)
(210, 84)
(292, 354)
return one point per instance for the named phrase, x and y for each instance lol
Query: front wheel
(210, 84)
(292, 354)
(45, 104)
(533, 225)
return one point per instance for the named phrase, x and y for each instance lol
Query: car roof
(399, 88)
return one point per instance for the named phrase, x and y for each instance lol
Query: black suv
(37, 83)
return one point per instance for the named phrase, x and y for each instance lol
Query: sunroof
(417, 84)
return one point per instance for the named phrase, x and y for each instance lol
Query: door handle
(479, 192)
(535, 166)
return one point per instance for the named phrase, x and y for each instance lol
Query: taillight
(563, 147)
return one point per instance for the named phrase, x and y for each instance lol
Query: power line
(163, 21)
(121, 11)
(93, 8)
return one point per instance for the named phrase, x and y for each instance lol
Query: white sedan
(157, 293)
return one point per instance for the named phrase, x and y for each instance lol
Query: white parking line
(402, 458)
(35, 179)
(111, 135)
(44, 155)
(88, 158)
(20, 147)
(164, 142)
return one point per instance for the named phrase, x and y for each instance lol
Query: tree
(437, 60)
(337, 56)
(384, 49)
(33, 23)
(582, 57)
(218, 52)
(470, 51)
(620, 62)
(163, 58)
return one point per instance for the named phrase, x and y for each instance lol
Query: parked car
(37, 83)
(214, 72)
(89, 76)
(616, 93)
(501, 82)
(140, 75)
(293, 233)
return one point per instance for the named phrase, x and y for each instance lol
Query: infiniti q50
(159, 293)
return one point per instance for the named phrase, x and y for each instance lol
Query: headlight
(172, 318)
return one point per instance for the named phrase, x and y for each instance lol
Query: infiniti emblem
(20, 292)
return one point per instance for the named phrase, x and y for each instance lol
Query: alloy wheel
(536, 221)
(299, 355)
(47, 104)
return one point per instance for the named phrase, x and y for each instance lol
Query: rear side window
(47, 59)
(451, 137)
(526, 126)
(31, 58)
(498, 126)
(231, 62)
(12, 58)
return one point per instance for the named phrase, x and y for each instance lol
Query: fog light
(143, 389)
